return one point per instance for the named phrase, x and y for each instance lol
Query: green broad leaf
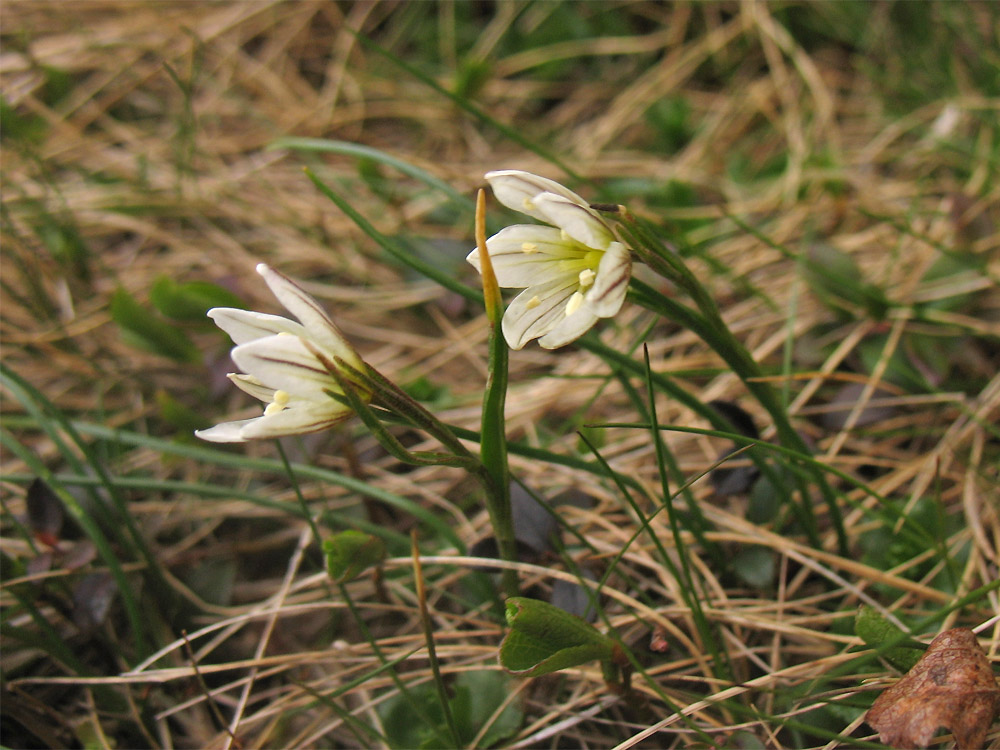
(477, 698)
(544, 638)
(837, 280)
(26, 129)
(876, 631)
(58, 85)
(470, 78)
(350, 553)
(143, 329)
(417, 720)
(670, 119)
(66, 244)
(191, 300)
(755, 566)
(184, 418)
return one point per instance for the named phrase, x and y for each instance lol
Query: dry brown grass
(158, 183)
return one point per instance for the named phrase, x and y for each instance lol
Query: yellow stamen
(528, 248)
(281, 399)
(528, 205)
(532, 303)
(587, 277)
(574, 303)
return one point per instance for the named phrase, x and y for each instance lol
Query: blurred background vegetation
(828, 169)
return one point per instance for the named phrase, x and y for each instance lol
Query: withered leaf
(952, 686)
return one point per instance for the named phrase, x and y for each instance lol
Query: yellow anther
(574, 303)
(587, 277)
(528, 204)
(528, 248)
(281, 399)
(532, 303)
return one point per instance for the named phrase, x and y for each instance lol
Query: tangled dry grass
(155, 161)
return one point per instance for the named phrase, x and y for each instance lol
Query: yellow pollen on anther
(528, 248)
(528, 204)
(574, 303)
(281, 399)
(532, 303)
(587, 277)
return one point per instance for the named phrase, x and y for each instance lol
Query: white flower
(286, 364)
(572, 272)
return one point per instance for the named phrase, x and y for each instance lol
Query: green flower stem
(493, 445)
(490, 470)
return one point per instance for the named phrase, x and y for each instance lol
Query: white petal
(313, 317)
(516, 268)
(570, 328)
(517, 189)
(285, 363)
(227, 432)
(607, 294)
(245, 325)
(295, 421)
(525, 321)
(250, 384)
(578, 221)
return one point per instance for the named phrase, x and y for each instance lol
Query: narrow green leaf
(345, 148)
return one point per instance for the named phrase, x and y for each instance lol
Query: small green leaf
(544, 638)
(836, 279)
(191, 300)
(28, 129)
(875, 630)
(66, 244)
(144, 330)
(350, 553)
(470, 78)
(756, 566)
(184, 418)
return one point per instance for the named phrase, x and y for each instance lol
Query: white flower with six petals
(573, 272)
(286, 364)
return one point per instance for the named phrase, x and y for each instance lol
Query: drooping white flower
(286, 364)
(573, 272)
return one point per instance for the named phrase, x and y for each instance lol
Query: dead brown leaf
(952, 686)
